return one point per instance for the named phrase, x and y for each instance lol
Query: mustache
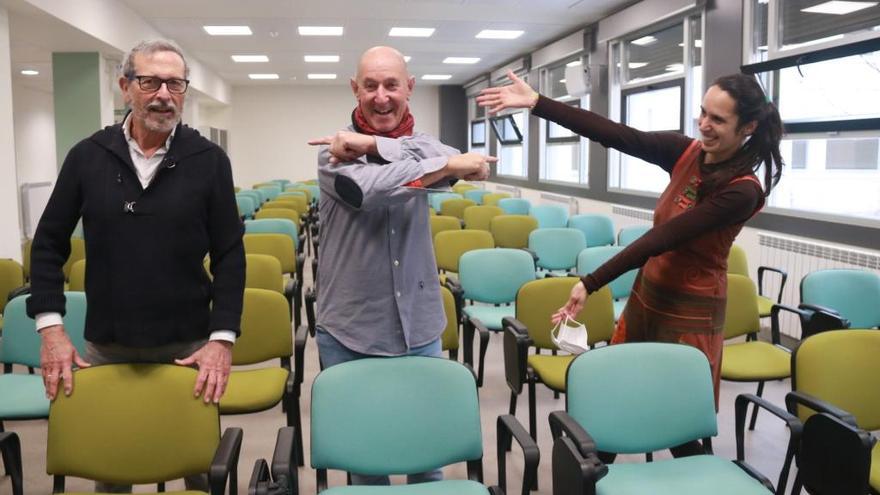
(159, 106)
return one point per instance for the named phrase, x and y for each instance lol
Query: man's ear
(749, 128)
(354, 85)
(123, 85)
(410, 82)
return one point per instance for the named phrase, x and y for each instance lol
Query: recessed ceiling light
(411, 32)
(249, 58)
(562, 81)
(637, 65)
(322, 76)
(573, 63)
(321, 58)
(461, 60)
(263, 76)
(406, 58)
(320, 30)
(644, 40)
(436, 77)
(228, 30)
(499, 34)
(30, 72)
(838, 7)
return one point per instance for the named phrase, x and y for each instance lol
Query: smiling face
(719, 123)
(382, 88)
(155, 111)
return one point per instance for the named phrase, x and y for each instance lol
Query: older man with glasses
(155, 197)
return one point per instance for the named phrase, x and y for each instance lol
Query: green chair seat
(875, 467)
(755, 361)
(765, 304)
(688, 475)
(24, 397)
(458, 487)
(490, 315)
(253, 390)
(551, 369)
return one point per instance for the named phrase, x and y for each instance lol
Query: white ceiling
(366, 24)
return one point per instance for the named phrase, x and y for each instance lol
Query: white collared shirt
(146, 169)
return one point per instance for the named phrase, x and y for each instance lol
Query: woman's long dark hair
(763, 145)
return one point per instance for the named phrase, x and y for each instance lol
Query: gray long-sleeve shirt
(378, 291)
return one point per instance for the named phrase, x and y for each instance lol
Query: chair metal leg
(10, 450)
(755, 407)
(512, 410)
(533, 423)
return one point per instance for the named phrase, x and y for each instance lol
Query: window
(510, 145)
(477, 130)
(822, 69)
(478, 134)
(656, 85)
(563, 153)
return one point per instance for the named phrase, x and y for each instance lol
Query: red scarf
(404, 128)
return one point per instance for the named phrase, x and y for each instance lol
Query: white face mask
(570, 336)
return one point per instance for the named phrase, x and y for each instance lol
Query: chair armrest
(795, 427)
(299, 350)
(284, 472)
(508, 426)
(454, 286)
(10, 447)
(761, 270)
(310, 298)
(300, 263)
(516, 353)
(561, 422)
(792, 399)
(573, 472)
(484, 345)
(774, 320)
(821, 318)
(754, 473)
(224, 466)
(259, 478)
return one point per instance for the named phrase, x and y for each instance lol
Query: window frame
(506, 142)
(474, 142)
(654, 86)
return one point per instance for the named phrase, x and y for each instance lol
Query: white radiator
(568, 201)
(798, 258)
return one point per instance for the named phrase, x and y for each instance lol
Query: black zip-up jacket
(145, 281)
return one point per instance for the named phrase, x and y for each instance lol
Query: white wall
(269, 127)
(34, 117)
(10, 242)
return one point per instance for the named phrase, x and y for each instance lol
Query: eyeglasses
(152, 84)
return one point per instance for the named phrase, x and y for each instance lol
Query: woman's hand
(516, 95)
(575, 304)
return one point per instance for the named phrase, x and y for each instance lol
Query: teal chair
(246, 206)
(275, 226)
(254, 195)
(598, 229)
(557, 249)
(550, 216)
(23, 396)
(263, 193)
(281, 182)
(272, 190)
(475, 195)
(855, 294)
(593, 257)
(627, 235)
(515, 206)
(640, 398)
(437, 199)
(405, 415)
(490, 278)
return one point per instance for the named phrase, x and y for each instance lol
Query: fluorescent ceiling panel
(461, 60)
(436, 77)
(250, 58)
(320, 30)
(228, 30)
(411, 32)
(499, 34)
(322, 76)
(838, 7)
(263, 76)
(321, 58)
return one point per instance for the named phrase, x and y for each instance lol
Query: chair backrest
(254, 195)
(475, 195)
(737, 261)
(550, 216)
(265, 328)
(441, 223)
(512, 231)
(271, 189)
(494, 275)
(449, 337)
(278, 245)
(263, 271)
(592, 258)
(77, 252)
(627, 235)
(642, 397)
(841, 367)
(742, 307)
(11, 277)
(273, 226)
(394, 416)
(853, 293)
(456, 207)
(539, 299)
(305, 191)
(437, 199)
(451, 244)
(557, 248)
(598, 229)
(492, 199)
(139, 423)
(461, 186)
(300, 203)
(21, 342)
(479, 217)
(834, 457)
(287, 213)
(515, 206)
(246, 206)
(77, 276)
(289, 193)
